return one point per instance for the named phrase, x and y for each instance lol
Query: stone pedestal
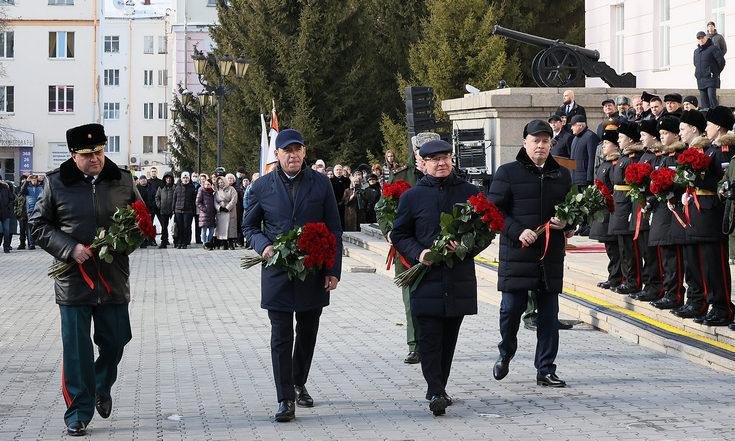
(503, 113)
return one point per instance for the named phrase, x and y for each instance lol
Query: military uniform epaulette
(674, 147)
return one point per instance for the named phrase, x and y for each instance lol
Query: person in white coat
(225, 202)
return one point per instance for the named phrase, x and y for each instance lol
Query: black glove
(223, 210)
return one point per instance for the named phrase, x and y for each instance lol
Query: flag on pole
(264, 145)
(271, 159)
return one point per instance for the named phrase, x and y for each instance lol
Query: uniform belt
(622, 187)
(703, 192)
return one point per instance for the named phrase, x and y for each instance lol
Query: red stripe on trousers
(64, 390)
(679, 281)
(701, 272)
(637, 264)
(660, 271)
(724, 281)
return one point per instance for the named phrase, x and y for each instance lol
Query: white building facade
(115, 62)
(655, 39)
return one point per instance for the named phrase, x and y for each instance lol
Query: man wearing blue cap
(63, 224)
(527, 191)
(291, 196)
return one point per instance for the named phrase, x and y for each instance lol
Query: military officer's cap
(434, 147)
(722, 116)
(694, 118)
(421, 138)
(88, 138)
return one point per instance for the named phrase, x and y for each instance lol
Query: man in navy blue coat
(526, 191)
(288, 197)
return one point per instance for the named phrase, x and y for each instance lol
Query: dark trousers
(291, 362)
(183, 228)
(82, 377)
(708, 98)
(672, 263)
(713, 275)
(22, 231)
(614, 276)
(652, 272)
(197, 230)
(694, 275)
(164, 228)
(29, 237)
(630, 260)
(512, 306)
(437, 340)
(5, 234)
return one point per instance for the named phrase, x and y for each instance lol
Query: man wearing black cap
(561, 143)
(611, 116)
(672, 102)
(708, 64)
(527, 191)
(446, 294)
(278, 202)
(64, 224)
(583, 151)
(690, 102)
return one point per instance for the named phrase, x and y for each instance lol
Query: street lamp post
(223, 67)
(203, 99)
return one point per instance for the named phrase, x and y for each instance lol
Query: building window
(148, 44)
(60, 99)
(162, 144)
(61, 44)
(112, 77)
(147, 77)
(719, 12)
(163, 77)
(111, 110)
(113, 144)
(211, 2)
(112, 44)
(618, 36)
(162, 110)
(147, 144)
(147, 110)
(7, 99)
(662, 10)
(162, 44)
(60, 2)
(7, 45)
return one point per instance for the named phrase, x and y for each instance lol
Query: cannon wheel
(556, 67)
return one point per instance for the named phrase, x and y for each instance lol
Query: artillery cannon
(560, 64)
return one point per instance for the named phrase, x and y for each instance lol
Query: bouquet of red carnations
(131, 226)
(638, 176)
(301, 251)
(472, 224)
(661, 182)
(692, 163)
(385, 209)
(578, 207)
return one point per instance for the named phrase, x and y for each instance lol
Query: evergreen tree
(185, 135)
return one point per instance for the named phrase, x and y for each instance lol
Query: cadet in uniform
(79, 197)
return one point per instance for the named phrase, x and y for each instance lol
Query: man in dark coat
(185, 196)
(569, 107)
(584, 148)
(64, 224)
(155, 183)
(149, 197)
(717, 38)
(7, 197)
(708, 64)
(561, 143)
(286, 198)
(444, 295)
(527, 191)
(165, 205)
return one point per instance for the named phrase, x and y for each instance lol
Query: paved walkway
(198, 368)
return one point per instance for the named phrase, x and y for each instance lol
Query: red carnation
(143, 219)
(635, 174)
(318, 244)
(396, 189)
(661, 180)
(606, 195)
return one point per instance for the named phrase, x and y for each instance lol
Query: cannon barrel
(535, 40)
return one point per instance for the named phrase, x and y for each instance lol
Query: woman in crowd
(225, 202)
(207, 213)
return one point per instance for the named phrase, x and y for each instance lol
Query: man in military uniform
(79, 197)
(411, 175)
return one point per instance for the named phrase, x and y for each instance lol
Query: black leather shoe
(303, 398)
(716, 318)
(690, 311)
(412, 358)
(500, 370)
(563, 326)
(604, 285)
(438, 405)
(550, 380)
(732, 326)
(665, 303)
(162, 246)
(448, 399)
(76, 428)
(286, 411)
(644, 296)
(626, 289)
(103, 405)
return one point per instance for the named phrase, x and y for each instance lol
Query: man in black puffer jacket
(185, 196)
(79, 197)
(527, 191)
(445, 294)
